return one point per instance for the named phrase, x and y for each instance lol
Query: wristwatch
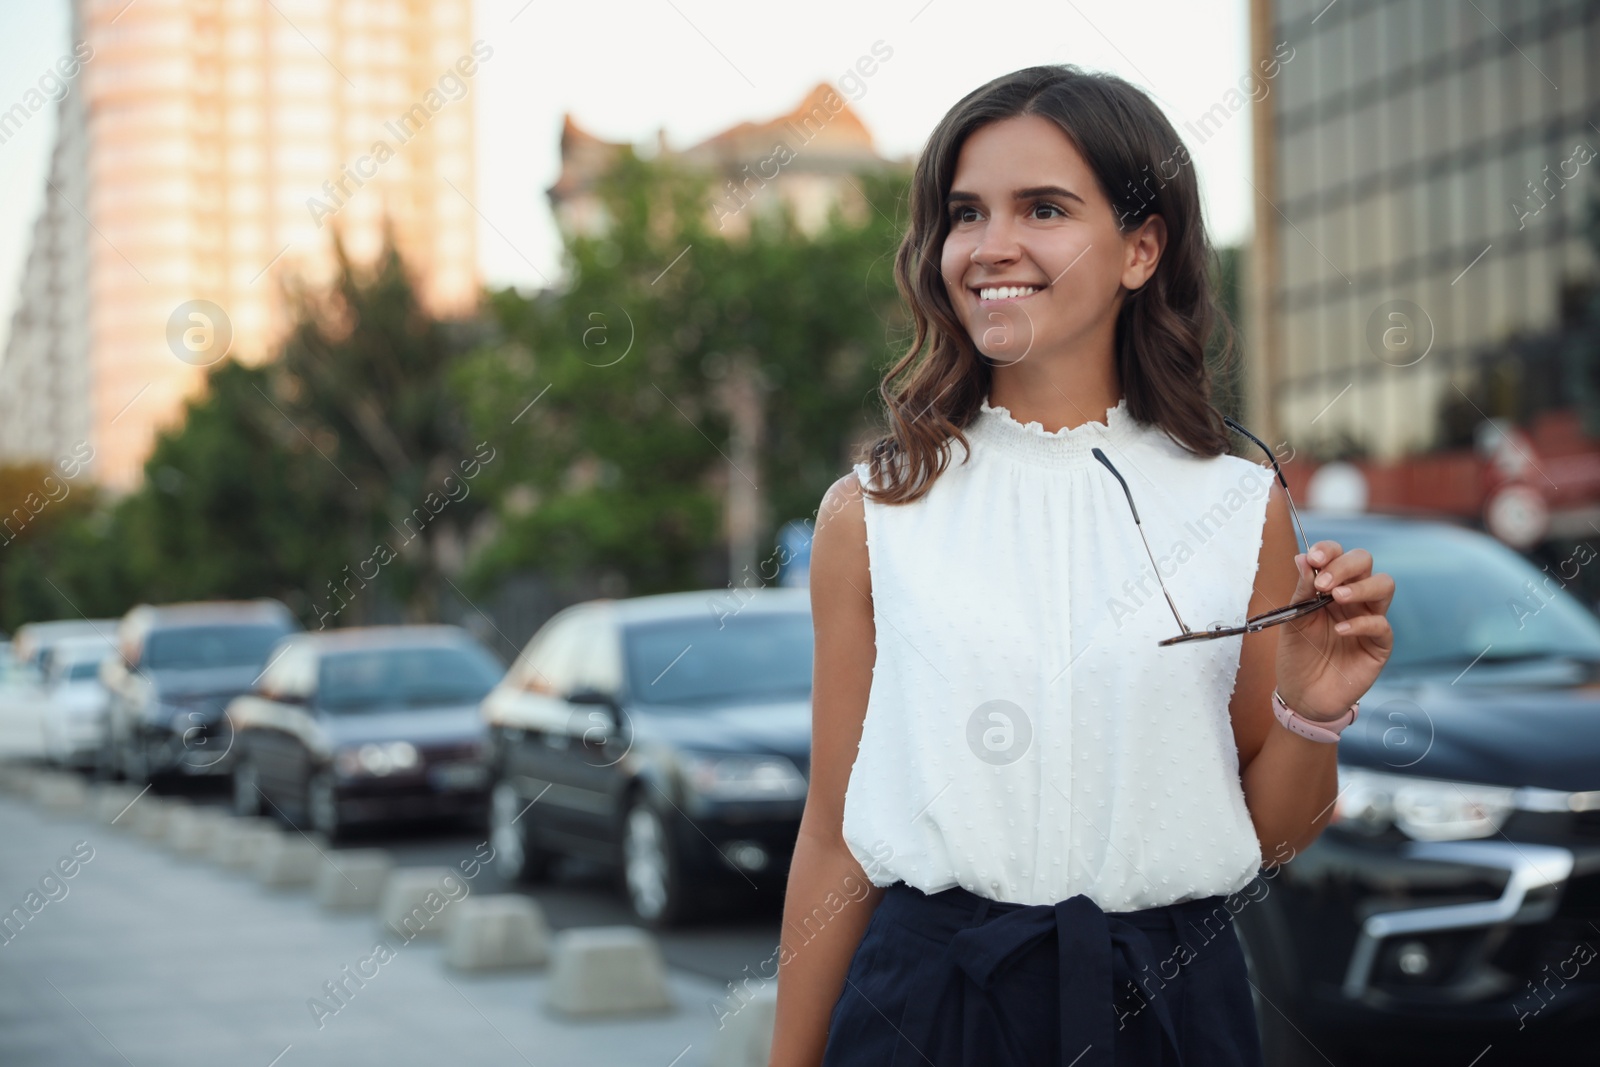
(1314, 731)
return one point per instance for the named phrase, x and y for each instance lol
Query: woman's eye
(957, 212)
(1050, 207)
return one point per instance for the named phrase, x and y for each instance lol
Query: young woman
(1031, 818)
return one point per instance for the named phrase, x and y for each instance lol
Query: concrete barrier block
(499, 931)
(65, 793)
(353, 879)
(152, 814)
(744, 1037)
(608, 970)
(288, 860)
(110, 801)
(418, 901)
(191, 831)
(238, 842)
(17, 778)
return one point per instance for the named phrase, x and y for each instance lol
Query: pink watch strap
(1327, 732)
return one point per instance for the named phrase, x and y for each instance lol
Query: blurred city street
(416, 417)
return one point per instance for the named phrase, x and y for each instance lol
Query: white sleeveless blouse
(1025, 737)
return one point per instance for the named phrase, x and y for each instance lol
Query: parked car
(22, 683)
(1454, 900)
(666, 736)
(32, 640)
(366, 725)
(177, 667)
(75, 700)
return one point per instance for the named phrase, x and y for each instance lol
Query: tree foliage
(621, 462)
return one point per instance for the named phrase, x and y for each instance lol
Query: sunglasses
(1276, 616)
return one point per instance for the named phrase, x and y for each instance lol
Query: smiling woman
(1068, 795)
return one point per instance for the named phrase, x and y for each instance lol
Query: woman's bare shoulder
(839, 543)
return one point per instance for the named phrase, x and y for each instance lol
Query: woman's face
(1026, 212)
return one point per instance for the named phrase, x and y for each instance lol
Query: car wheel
(516, 858)
(651, 867)
(322, 807)
(246, 788)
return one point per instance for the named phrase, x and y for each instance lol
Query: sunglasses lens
(1259, 622)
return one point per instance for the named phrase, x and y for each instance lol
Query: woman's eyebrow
(956, 196)
(1047, 190)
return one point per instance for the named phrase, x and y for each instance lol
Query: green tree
(38, 503)
(678, 370)
(338, 477)
(363, 381)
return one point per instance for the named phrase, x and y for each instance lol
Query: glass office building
(1425, 170)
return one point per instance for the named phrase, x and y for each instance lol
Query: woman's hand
(1329, 659)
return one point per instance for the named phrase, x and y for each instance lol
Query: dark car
(667, 736)
(1453, 903)
(176, 668)
(366, 725)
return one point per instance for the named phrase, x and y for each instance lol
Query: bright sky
(696, 67)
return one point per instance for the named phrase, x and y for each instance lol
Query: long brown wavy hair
(935, 389)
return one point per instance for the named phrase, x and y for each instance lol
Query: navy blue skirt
(955, 978)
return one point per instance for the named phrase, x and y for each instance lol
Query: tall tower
(225, 143)
(1422, 173)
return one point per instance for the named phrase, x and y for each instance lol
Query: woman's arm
(817, 945)
(1290, 782)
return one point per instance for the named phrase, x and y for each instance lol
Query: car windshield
(83, 671)
(193, 648)
(386, 679)
(704, 660)
(1461, 596)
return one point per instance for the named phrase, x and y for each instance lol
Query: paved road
(740, 941)
(141, 959)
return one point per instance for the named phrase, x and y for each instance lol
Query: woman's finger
(1373, 626)
(1323, 552)
(1348, 567)
(1375, 589)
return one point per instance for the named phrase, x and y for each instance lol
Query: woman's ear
(1144, 246)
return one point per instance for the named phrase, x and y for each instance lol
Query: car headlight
(1424, 809)
(377, 759)
(739, 777)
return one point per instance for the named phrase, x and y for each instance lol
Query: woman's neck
(1056, 398)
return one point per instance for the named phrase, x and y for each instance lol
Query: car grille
(1586, 824)
(449, 753)
(1558, 954)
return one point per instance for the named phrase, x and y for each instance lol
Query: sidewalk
(142, 958)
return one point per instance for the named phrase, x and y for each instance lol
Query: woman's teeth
(1009, 292)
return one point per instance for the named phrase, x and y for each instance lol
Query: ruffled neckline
(995, 426)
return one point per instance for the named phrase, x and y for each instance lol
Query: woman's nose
(998, 244)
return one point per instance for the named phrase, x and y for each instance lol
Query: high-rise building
(1423, 170)
(218, 147)
(44, 375)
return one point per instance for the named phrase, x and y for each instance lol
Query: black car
(667, 736)
(1453, 904)
(366, 725)
(176, 668)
